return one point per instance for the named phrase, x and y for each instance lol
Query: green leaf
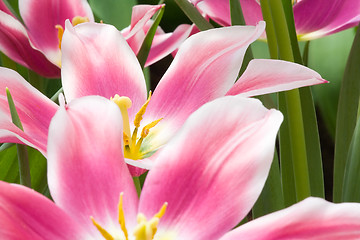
(271, 198)
(9, 168)
(23, 158)
(311, 133)
(237, 17)
(328, 57)
(38, 169)
(351, 190)
(346, 115)
(193, 14)
(115, 12)
(286, 162)
(7, 62)
(312, 140)
(14, 115)
(294, 116)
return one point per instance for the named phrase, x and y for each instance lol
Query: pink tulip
(313, 18)
(36, 45)
(205, 180)
(96, 60)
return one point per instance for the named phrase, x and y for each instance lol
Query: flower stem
(346, 115)
(137, 185)
(292, 100)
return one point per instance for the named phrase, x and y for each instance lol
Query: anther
(141, 112)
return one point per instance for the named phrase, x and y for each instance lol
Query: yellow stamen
(141, 112)
(132, 143)
(161, 211)
(124, 103)
(103, 232)
(140, 232)
(134, 136)
(122, 217)
(145, 229)
(145, 131)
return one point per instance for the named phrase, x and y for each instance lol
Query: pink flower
(36, 45)
(204, 182)
(313, 18)
(96, 60)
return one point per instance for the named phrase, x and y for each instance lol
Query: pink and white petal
(96, 60)
(194, 79)
(313, 218)
(4, 8)
(86, 167)
(140, 15)
(140, 23)
(14, 43)
(26, 214)
(35, 111)
(166, 43)
(264, 76)
(315, 19)
(41, 17)
(219, 10)
(213, 169)
(140, 166)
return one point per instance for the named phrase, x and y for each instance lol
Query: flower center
(145, 230)
(75, 21)
(132, 143)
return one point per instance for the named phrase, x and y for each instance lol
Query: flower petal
(86, 167)
(26, 214)
(194, 79)
(96, 60)
(35, 111)
(14, 42)
(219, 10)
(315, 19)
(213, 169)
(165, 43)
(264, 76)
(135, 34)
(313, 218)
(4, 8)
(41, 17)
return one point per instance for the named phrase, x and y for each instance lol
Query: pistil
(124, 103)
